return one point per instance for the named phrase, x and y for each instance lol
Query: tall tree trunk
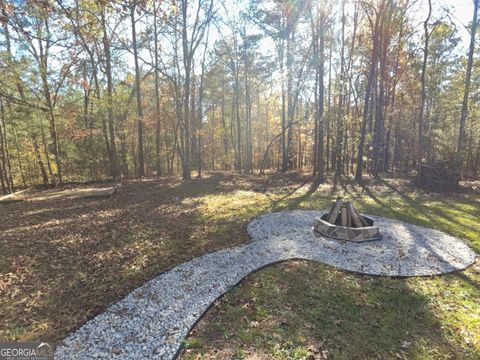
(158, 159)
(224, 128)
(56, 147)
(341, 102)
(141, 154)
(393, 126)
(248, 108)
(315, 129)
(108, 72)
(187, 63)
(379, 127)
(87, 141)
(199, 130)
(39, 159)
(321, 96)
(284, 111)
(17, 147)
(201, 92)
(42, 60)
(22, 96)
(329, 104)
(2, 181)
(3, 156)
(477, 161)
(53, 127)
(421, 119)
(466, 92)
(366, 103)
(107, 129)
(238, 121)
(287, 164)
(47, 155)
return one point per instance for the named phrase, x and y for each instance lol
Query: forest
(94, 90)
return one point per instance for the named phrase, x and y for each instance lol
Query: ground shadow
(99, 250)
(306, 306)
(66, 260)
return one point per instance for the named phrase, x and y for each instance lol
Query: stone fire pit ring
(344, 222)
(367, 233)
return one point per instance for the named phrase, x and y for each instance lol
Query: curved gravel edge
(152, 321)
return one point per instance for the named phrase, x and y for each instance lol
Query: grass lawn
(306, 310)
(64, 261)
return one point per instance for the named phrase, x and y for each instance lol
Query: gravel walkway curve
(152, 321)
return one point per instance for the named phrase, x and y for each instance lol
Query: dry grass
(63, 260)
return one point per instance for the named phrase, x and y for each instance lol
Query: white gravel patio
(153, 320)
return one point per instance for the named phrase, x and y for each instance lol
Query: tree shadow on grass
(276, 203)
(450, 199)
(361, 316)
(93, 252)
(305, 306)
(434, 216)
(430, 212)
(70, 259)
(466, 278)
(438, 216)
(66, 260)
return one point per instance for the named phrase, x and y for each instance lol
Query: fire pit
(344, 222)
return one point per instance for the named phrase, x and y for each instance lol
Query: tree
(138, 92)
(110, 89)
(423, 95)
(91, 90)
(318, 32)
(466, 91)
(191, 37)
(374, 18)
(35, 29)
(158, 160)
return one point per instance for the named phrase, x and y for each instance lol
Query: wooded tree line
(127, 88)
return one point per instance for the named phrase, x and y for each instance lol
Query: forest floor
(64, 261)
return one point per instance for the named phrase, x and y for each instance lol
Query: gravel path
(152, 321)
